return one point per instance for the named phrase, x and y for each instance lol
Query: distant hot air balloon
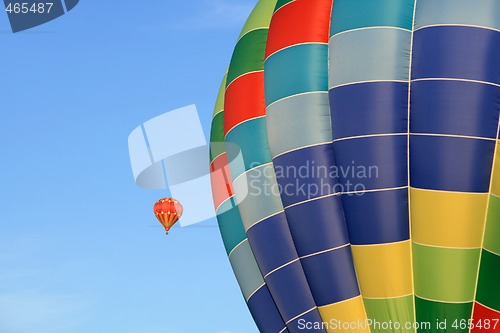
(318, 92)
(168, 211)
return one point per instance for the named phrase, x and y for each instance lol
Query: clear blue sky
(80, 250)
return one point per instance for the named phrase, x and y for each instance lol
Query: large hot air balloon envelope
(370, 191)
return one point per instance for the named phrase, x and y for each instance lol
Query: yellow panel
(384, 270)
(496, 175)
(347, 316)
(448, 219)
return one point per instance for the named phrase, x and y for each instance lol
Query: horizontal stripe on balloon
(367, 55)
(488, 288)
(246, 270)
(230, 226)
(448, 52)
(492, 232)
(451, 164)
(294, 29)
(350, 14)
(483, 13)
(264, 311)
(369, 108)
(435, 312)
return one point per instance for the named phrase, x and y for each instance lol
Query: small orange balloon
(168, 211)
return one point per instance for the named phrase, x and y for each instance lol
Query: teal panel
(230, 225)
(478, 12)
(246, 269)
(367, 55)
(299, 121)
(257, 195)
(295, 70)
(355, 14)
(251, 138)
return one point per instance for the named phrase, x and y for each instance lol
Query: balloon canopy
(369, 200)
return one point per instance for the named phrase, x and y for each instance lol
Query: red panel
(485, 320)
(244, 100)
(300, 21)
(221, 180)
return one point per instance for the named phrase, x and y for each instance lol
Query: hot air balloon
(168, 211)
(371, 186)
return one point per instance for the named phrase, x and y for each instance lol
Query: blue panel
(372, 163)
(305, 174)
(297, 326)
(251, 137)
(377, 218)
(264, 312)
(272, 243)
(451, 164)
(369, 108)
(231, 227)
(455, 107)
(290, 291)
(287, 74)
(457, 52)
(370, 55)
(331, 276)
(318, 225)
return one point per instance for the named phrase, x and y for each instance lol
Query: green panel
(354, 14)
(219, 103)
(447, 275)
(281, 3)
(492, 233)
(230, 225)
(260, 16)
(248, 55)
(435, 312)
(217, 146)
(397, 310)
(488, 288)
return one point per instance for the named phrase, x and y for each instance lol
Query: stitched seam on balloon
(244, 121)
(252, 169)
(408, 158)
(447, 247)
(313, 199)
(283, 330)
(239, 244)
(242, 75)
(216, 113)
(495, 195)
(456, 25)
(365, 81)
(492, 252)
(298, 44)
(381, 244)
(487, 307)
(455, 136)
(216, 157)
(281, 267)
(299, 94)
(456, 79)
(300, 315)
(386, 298)
(450, 192)
(369, 28)
(485, 225)
(325, 251)
(256, 290)
(288, 3)
(376, 190)
(264, 219)
(369, 136)
(340, 302)
(223, 202)
(251, 30)
(302, 148)
(441, 301)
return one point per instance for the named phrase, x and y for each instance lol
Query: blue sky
(80, 250)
